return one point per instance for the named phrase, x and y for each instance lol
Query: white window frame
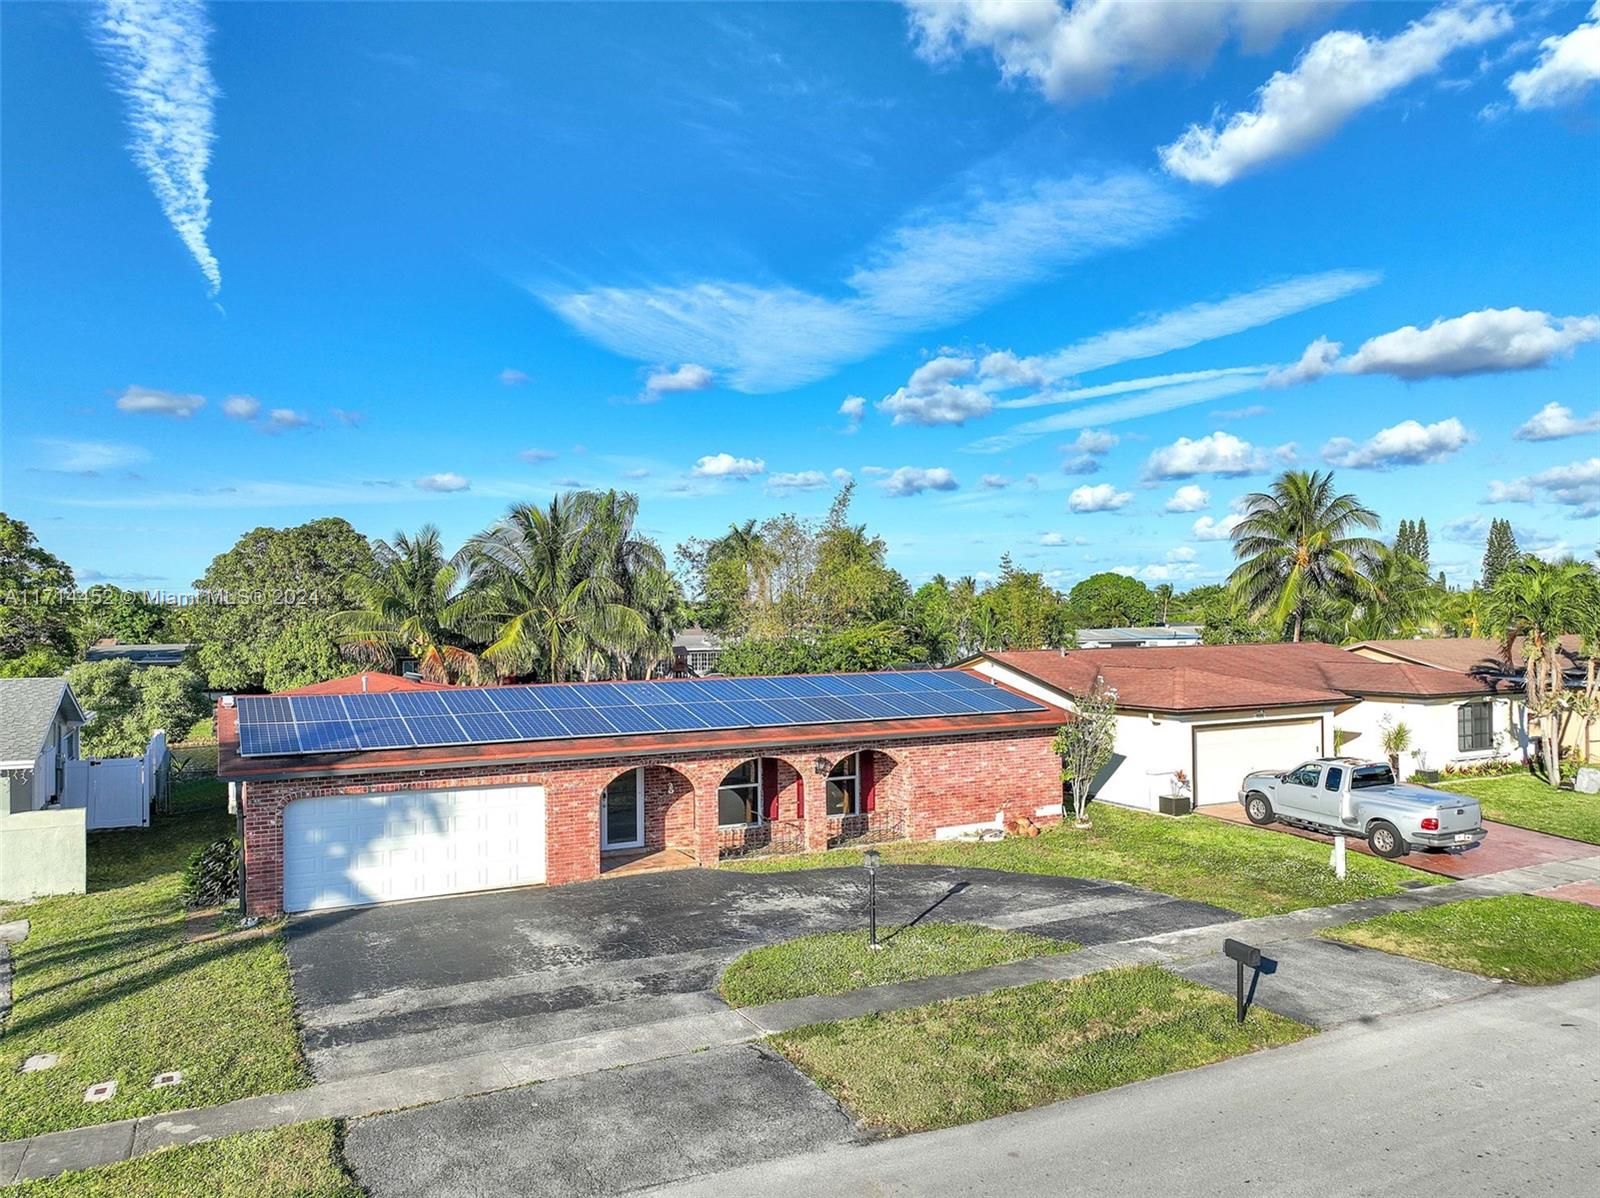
(855, 789)
(759, 806)
(606, 844)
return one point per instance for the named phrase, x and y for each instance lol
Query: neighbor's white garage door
(357, 849)
(1224, 754)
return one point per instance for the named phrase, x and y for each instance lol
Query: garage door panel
(1224, 754)
(352, 850)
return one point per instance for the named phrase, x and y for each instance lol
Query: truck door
(1297, 793)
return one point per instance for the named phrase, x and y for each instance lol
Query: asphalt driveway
(413, 983)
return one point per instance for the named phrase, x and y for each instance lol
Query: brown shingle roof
(1468, 654)
(1234, 677)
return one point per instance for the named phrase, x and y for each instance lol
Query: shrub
(211, 876)
(1484, 769)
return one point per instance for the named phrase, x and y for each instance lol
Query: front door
(622, 812)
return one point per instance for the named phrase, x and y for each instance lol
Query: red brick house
(327, 829)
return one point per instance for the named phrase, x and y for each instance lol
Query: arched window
(844, 787)
(739, 796)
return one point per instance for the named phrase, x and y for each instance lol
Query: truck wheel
(1385, 840)
(1258, 808)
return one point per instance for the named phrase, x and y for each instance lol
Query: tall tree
(36, 586)
(1298, 542)
(411, 604)
(1404, 541)
(1111, 600)
(1500, 551)
(1419, 541)
(1530, 606)
(268, 615)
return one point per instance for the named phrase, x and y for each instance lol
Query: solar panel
(276, 724)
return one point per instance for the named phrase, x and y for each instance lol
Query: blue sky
(1059, 282)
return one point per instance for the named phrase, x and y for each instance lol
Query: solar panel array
(277, 724)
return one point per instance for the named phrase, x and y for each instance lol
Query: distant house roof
(28, 707)
(1237, 677)
(139, 655)
(695, 639)
(366, 682)
(1161, 634)
(1479, 655)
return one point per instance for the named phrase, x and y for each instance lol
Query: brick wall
(938, 782)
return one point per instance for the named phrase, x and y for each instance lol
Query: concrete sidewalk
(375, 1093)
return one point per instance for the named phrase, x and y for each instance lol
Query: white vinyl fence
(117, 792)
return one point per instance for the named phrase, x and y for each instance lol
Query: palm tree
(1531, 604)
(639, 569)
(550, 604)
(413, 605)
(1294, 546)
(744, 544)
(1163, 594)
(1462, 612)
(1399, 598)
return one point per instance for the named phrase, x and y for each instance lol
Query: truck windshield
(1364, 776)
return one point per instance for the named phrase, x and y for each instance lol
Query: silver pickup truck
(1344, 796)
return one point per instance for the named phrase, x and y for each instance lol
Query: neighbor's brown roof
(232, 766)
(1468, 654)
(1235, 677)
(367, 682)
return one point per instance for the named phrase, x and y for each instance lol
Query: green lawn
(1530, 802)
(113, 983)
(1518, 937)
(833, 962)
(301, 1161)
(1252, 871)
(974, 1058)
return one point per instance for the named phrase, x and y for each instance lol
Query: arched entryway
(864, 793)
(647, 820)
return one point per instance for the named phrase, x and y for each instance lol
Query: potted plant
(1181, 799)
(1423, 773)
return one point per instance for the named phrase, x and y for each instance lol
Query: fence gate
(111, 790)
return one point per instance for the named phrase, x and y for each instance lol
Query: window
(739, 796)
(1306, 775)
(1475, 727)
(1364, 776)
(844, 788)
(1334, 779)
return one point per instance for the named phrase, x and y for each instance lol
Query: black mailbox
(1247, 955)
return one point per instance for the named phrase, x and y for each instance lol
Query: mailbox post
(1242, 955)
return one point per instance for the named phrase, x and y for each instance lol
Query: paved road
(1494, 1096)
(418, 983)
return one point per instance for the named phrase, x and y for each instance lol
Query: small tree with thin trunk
(1396, 740)
(1085, 744)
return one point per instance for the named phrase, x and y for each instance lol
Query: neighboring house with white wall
(1218, 712)
(39, 723)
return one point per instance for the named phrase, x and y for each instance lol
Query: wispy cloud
(158, 402)
(687, 377)
(512, 377)
(67, 456)
(156, 50)
(241, 407)
(940, 264)
(1576, 485)
(445, 482)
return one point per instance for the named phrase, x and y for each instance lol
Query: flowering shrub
(1484, 769)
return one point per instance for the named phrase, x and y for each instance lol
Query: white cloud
(1482, 342)
(156, 50)
(446, 481)
(1467, 528)
(1208, 529)
(1188, 498)
(939, 265)
(1243, 413)
(1085, 49)
(913, 480)
(1080, 463)
(87, 457)
(937, 394)
(1568, 66)
(534, 456)
(165, 403)
(687, 377)
(241, 407)
(1102, 497)
(854, 410)
(512, 377)
(725, 465)
(1408, 443)
(995, 482)
(1216, 453)
(1096, 441)
(348, 418)
(636, 473)
(841, 476)
(1555, 421)
(281, 419)
(1576, 485)
(1337, 76)
(1052, 539)
(803, 480)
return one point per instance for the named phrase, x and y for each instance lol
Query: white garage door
(351, 850)
(1223, 755)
